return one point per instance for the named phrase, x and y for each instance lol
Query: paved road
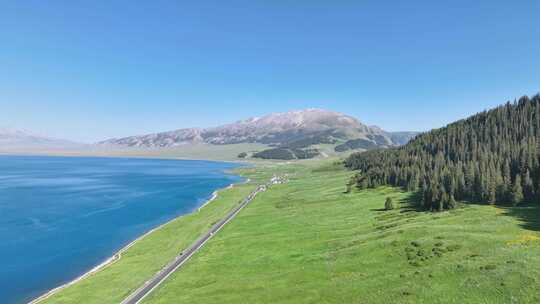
(150, 285)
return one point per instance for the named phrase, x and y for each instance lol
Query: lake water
(61, 216)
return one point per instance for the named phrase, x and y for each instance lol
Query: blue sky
(90, 70)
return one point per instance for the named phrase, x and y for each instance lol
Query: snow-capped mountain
(311, 125)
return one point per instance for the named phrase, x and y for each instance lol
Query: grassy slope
(147, 256)
(200, 151)
(308, 242)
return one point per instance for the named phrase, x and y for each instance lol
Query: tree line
(287, 153)
(491, 157)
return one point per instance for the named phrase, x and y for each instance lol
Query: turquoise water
(61, 216)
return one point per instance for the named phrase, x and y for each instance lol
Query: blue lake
(61, 216)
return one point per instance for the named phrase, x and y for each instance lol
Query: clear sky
(90, 70)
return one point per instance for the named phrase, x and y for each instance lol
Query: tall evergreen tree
(528, 186)
(516, 193)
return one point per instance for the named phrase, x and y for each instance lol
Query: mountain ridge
(275, 129)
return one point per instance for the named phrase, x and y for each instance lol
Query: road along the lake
(158, 278)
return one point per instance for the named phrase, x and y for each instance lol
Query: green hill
(491, 157)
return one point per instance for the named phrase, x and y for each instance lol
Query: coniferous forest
(491, 157)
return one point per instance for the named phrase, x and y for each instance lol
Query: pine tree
(442, 198)
(492, 193)
(528, 186)
(452, 204)
(435, 198)
(517, 191)
(389, 204)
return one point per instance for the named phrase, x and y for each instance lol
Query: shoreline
(216, 192)
(118, 254)
(149, 157)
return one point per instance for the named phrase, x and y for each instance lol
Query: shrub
(409, 249)
(488, 267)
(389, 204)
(453, 247)
(415, 264)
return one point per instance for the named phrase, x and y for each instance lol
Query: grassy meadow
(307, 241)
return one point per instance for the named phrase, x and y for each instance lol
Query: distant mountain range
(295, 129)
(291, 135)
(23, 140)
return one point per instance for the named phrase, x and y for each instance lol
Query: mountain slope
(490, 157)
(295, 129)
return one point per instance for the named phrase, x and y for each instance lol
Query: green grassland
(191, 151)
(307, 241)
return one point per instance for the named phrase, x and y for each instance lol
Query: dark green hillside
(286, 153)
(355, 144)
(491, 157)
